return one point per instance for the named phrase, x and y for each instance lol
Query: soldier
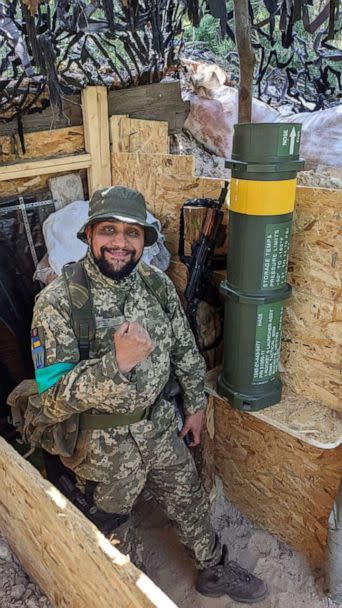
(128, 437)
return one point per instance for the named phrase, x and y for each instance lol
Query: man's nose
(119, 239)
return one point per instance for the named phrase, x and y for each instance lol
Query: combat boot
(228, 578)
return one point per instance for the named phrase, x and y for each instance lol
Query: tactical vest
(79, 294)
(77, 283)
(61, 438)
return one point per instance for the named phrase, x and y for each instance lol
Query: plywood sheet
(134, 135)
(282, 484)
(316, 250)
(75, 565)
(306, 419)
(311, 352)
(167, 182)
(58, 142)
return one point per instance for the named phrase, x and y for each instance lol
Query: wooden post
(96, 136)
(246, 59)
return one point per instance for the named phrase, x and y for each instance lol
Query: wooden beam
(96, 135)
(39, 167)
(74, 564)
(48, 119)
(158, 101)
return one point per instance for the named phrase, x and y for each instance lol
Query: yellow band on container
(262, 197)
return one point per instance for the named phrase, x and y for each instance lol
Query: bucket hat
(119, 203)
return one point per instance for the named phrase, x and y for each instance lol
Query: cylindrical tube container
(264, 164)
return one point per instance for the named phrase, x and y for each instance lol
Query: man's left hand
(193, 424)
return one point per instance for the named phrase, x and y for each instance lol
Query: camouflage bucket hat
(119, 203)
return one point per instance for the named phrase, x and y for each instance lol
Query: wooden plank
(96, 135)
(167, 181)
(134, 135)
(38, 183)
(52, 539)
(41, 167)
(159, 101)
(69, 140)
(282, 484)
(47, 118)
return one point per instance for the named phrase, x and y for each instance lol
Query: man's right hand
(132, 345)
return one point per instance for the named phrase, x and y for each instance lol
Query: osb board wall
(134, 135)
(312, 334)
(167, 182)
(43, 144)
(280, 483)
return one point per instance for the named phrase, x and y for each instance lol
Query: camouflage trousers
(126, 460)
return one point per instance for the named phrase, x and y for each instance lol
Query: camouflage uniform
(149, 453)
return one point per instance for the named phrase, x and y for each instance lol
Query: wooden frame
(96, 136)
(96, 159)
(41, 167)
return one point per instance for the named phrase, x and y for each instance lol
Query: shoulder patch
(37, 348)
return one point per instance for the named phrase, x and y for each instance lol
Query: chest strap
(107, 421)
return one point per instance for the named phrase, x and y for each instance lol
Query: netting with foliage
(49, 48)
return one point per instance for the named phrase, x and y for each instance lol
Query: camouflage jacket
(68, 385)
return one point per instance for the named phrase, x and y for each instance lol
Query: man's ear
(88, 231)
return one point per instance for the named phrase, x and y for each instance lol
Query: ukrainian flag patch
(38, 351)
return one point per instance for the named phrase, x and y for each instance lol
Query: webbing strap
(107, 421)
(79, 294)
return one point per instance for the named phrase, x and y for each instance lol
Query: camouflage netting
(49, 48)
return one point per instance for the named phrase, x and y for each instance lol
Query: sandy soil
(292, 583)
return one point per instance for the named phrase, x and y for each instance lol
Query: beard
(107, 269)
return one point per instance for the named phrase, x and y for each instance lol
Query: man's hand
(193, 423)
(132, 345)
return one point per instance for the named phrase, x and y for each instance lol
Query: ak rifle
(202, 261)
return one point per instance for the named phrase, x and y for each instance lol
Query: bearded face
(116, 246)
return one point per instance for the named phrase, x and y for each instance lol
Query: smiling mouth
(118, 254)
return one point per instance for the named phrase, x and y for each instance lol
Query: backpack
(60, 438)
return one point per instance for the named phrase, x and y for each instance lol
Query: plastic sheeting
(63, 246)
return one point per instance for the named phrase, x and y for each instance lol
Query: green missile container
(264, 164)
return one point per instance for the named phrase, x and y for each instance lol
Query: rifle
(202, 262)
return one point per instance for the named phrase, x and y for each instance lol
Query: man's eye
(133, 233)
(108, 229)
